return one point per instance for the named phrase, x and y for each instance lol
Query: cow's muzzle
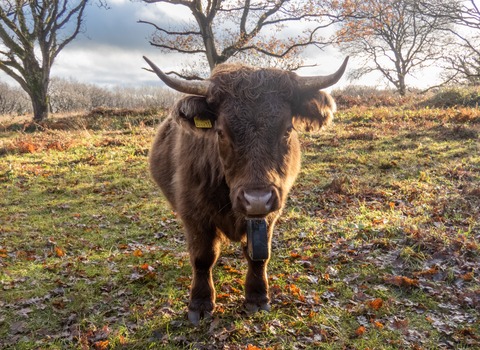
(256, 202)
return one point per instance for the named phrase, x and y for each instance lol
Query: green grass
(91, 255)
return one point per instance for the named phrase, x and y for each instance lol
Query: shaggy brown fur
(253, 146)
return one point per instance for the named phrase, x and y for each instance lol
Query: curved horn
(188, 87)
(322, 82)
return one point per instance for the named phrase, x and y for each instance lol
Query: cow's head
(252, 115)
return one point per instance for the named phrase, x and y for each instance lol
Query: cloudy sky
(110, 50)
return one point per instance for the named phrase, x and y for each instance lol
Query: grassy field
(377, 248)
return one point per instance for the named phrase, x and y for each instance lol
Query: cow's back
(161, 159)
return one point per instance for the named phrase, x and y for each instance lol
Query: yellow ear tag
(202, 123)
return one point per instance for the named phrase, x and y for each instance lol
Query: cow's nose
(257, 202)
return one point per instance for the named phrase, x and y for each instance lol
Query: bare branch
(79, 13)
(243, 21)
(304, 66)
(173, 48)
(227, 29)
(175, 2)
(168, 32)
(186, 77)
(438, 85)
(395, 38)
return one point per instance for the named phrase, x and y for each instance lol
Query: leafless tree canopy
(13, 100)
(462, 64)
(247, 31)
(393, 37)
(396, 38)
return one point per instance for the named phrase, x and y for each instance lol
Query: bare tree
(221, 30)
(463, 63)
(33, 32)
(393, 37)
(68, 95)
(13, 100)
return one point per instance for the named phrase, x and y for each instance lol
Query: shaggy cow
(230, 151)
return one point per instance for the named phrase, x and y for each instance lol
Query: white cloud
(164, 12)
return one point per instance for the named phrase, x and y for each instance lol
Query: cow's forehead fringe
(248, 84)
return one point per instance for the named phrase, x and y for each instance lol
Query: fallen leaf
(58, 305)
(138, 252)
(360, 297)
(360, 331)
(213, 325)
(352, 277)
(402, 325)
(252, 347)
(224, 333)
(400, 281)
(24, 312)
(376, 304)
(59, 251)
(467, 277)
(331, 271)
(17, 327)
(101, 345)
(432, 271)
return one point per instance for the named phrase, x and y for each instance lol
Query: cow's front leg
(256, 285)
(204, 248)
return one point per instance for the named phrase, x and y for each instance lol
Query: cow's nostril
(258, 202)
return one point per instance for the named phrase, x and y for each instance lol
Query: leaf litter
(358, 255)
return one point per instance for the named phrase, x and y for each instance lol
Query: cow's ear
(314, 110)
(193, 113)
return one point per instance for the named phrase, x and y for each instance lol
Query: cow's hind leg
(256, 285)
(204, 248)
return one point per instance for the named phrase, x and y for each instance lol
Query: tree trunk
(40, 107)
(402, 87)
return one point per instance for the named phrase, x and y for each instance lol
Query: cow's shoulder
(162, 158)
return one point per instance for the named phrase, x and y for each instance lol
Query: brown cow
(229, 151)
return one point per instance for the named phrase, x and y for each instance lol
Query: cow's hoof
(194, 317)
(253, 308)
(265, 307)
(207, 316)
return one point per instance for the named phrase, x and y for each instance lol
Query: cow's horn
(321, 82)
(188, 87)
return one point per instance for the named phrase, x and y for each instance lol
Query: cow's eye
(219, 133)
(288, 132)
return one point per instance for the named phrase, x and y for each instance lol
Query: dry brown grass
(8, 119)
(98, 119)
(49, 140)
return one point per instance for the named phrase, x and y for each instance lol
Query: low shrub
(367, 96)
(455, 97)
